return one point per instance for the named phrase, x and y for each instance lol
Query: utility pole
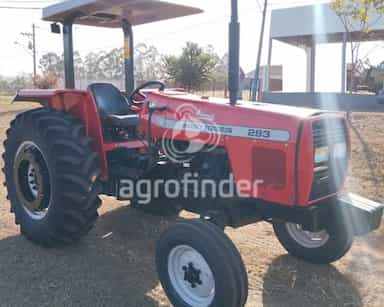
(32, 46)
(255, 86)
(34, 50)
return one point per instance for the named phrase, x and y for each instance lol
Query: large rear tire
(51, 175)
(322, 247)
(199, 266)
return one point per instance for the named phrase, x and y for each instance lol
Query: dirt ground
(114, 265)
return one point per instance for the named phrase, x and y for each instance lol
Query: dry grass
(118, 269)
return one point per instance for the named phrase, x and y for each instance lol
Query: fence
(328, 101)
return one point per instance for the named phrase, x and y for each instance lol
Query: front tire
(322, 247)
(51, 176)
(199, 266)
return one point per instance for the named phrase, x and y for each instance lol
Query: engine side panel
(261, 145)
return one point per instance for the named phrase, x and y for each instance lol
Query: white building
(307, 26)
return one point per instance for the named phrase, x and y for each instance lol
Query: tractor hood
(279, 123)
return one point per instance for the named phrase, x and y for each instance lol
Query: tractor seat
(121, 121)
(113, 106)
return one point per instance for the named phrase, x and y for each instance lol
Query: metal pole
(255, 84)
(267, 73)
(34, 50)
(68, 52)
(344, 64)
(234, 54)
(128, 57)
(311, 67)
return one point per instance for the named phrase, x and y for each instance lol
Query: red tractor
(232, 162)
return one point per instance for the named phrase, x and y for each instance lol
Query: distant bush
(46, 81)
(9, 86)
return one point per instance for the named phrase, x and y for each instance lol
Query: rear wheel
(199, 266)
(321, 247)
(51, 176)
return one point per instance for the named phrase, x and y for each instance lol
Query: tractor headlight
(321, 154)
(340, 151)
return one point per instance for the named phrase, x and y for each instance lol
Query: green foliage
(194, 67)
(148, 63)
(52, 63)
(359, 15)
(46, 81)
(220, 74)
(9, 86)
(373, 78)
(107, 65)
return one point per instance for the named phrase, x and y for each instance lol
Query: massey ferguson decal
(227, 130)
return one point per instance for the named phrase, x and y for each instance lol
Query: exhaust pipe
(234, 54)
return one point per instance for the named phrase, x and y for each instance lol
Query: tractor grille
(329, 173)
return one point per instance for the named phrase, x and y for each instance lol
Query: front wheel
(199, 266)
(321, 247)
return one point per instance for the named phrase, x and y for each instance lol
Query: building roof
(301, 26)
(109, 14)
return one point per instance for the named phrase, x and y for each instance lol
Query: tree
(148, 64)
(52, 63)
(9, 86)
(106, 65)
(193, 68)
(91, 66)
(46, 81)
(357, 16)
(110, 64)
(79, 65)
(220, 73)
(373, 77)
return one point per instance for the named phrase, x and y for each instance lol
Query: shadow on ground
(113, 266)
(291, 282)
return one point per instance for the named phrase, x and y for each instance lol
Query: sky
(209, 28)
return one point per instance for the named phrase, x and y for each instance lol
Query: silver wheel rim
(191, 276)
(32, 183)
(305, 238)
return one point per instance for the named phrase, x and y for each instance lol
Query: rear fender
(78, 103)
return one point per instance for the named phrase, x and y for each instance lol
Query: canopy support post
(128, 57)
(69, 66)
(234, 54)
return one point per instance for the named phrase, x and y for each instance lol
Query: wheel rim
(32, 180)
(191, 276)
(306, 238)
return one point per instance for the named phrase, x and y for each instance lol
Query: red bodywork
(285, 165)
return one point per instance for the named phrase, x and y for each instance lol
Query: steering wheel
(137, 91)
